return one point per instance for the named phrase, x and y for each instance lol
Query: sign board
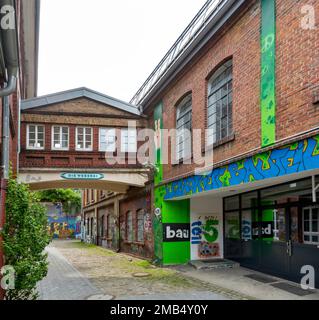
(176, 232)
(82, 176)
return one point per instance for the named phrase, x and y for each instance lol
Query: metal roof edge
(211, 29)
(81, 92)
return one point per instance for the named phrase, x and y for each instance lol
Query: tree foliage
(70, 199)
(24, 240)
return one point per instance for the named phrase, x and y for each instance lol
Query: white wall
(205, 209)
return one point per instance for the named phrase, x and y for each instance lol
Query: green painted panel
(176, 211)
(176, 253)
(158, 191)
(268, 73)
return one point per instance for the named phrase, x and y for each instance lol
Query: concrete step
(214, 264)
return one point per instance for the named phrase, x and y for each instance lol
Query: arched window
(220, 102)
(183, 128)
(129, 227)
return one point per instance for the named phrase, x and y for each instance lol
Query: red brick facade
(297, 80)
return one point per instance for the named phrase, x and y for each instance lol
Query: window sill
(134, 242)
(221, 142)
(181, 161)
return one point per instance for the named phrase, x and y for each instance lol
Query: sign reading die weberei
(82, 176)
(176, 232)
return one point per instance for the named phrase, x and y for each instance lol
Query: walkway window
(107, 139)
(220, 101)
(60, 138)
(128, 140)
(129, 227)
(84, 139)
(183, 128)
(35, 136)
(140, 225)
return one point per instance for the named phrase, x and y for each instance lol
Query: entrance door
(275, 241)
(304, 238)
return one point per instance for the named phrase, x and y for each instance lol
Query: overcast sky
(107, 45)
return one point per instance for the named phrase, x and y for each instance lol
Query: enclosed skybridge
(67, 137)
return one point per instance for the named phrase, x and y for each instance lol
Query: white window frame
(131, 145)
(215, 117)
(309, 233)
(61, 134)
(183, 136)
(84, 139)
(36, 136)
(110, 146)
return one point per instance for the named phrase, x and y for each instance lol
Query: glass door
(274, 240)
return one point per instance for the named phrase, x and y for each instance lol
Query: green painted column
(171, 214)
(158, 190)
(268, 72)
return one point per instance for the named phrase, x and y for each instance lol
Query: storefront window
(249, 220)
(279, 225)
(232, 203)
(232, 225)
(310, 225)
(249, 200)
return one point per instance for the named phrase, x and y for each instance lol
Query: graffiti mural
(293, 158)
(206, 236)
(60, 225)
(268, 73)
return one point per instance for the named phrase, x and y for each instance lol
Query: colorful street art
(293, 158)
(268, 73)
(158, 193)
(60, 225)
(206, 236)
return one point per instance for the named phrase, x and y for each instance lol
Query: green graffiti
(316, 150)
(224, 179)
(268, 71)
(158, 191)
(264, 158)
(209, 230)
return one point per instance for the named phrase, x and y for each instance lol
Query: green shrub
(25, 237)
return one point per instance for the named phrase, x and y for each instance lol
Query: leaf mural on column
(268, 73)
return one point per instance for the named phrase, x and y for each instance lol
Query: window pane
(32, 129)
(249, 200)
(279, 229)
(232, 203)
(314, 226)
(232, 225)
(315, 238)
(306, 226)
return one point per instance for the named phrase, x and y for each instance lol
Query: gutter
(9, 39)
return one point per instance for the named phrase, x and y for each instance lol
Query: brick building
(244, 74)
(247, 73)
(66, 139)
(18, 80)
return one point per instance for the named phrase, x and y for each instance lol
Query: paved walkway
(63, 281)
